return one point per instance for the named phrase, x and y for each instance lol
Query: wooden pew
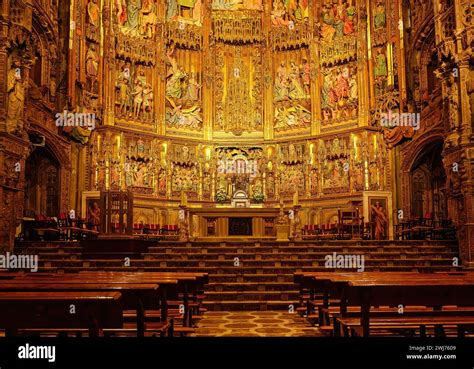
(171, 284)
(366, 290)
(134, 295)
(188, 284)
(434, 292)
(49, 309)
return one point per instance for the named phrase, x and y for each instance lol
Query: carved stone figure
(379, 15)
(92, 66)
(16, 99)
(93, 12)
(380, 64)
(148, 18)
(380, 220)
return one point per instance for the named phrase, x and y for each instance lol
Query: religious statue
(94, 216)
(337, 20)
(162, 182)
(122, 85)
(177, 116)
(137, 17)
(278, 14)
(175, 77)
(281, 83)
(296, 90)
(379, 15)
(193, 87)
(121, 6)
(16, 99)
(137, 95)
(93, 13)
(296, 116)
(147, 101)
(380, 220)
(133, 15)
(92, 66)
(148, 18)
(339, 93)
(328, 22)
(380, 64)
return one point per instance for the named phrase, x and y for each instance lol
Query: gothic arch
(409, 156)
(60, 150)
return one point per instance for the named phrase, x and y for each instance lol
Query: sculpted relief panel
(291, 92)
(136, 18)
(183, 90)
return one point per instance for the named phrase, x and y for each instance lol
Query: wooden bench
(353, 326)
(360, 295)
(189, 285)
(135, 295)
(49, 309)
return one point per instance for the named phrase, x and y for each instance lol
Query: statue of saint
(148, 100)
(92, 64)
(133, 14)
(192, 91)
(172, 9)
(296, 87)
(380, 220)
(93, 13)
(121, 6)
(137, 98)
(16, 98)
(123, 81)
(148, 18)
(278, 14)
(328, 24)
(379, 15)
(281, 83)
(94, 215)
(175, 76)
(380, 64)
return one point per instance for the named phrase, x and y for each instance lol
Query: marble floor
(254, 324)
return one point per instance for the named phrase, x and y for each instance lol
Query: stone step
(250, 305)
(243, 271)
(251, 286)
(251, 278)
(235, 264)
(290, 256)
(293, 250)
(252, 295)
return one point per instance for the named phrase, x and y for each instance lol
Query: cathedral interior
(150, 129)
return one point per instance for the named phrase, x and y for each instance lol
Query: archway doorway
(42, 188)
(428, 183)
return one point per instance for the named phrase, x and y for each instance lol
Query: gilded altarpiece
(134, 78)
(190, 85)
(339, 77)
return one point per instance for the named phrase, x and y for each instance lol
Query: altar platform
(228, 222)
